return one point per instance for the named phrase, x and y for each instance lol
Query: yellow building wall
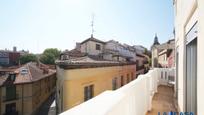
(76, 79)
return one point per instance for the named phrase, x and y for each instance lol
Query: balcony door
(10, 92)
(191, 71)
(11, 109)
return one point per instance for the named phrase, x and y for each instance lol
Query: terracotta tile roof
(73, 53)
(33, 73)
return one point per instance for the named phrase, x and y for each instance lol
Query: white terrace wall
(134, 98)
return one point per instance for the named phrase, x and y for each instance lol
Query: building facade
(4, 58)
(166, 58)
(80, 79)
(189, 34)
(8, 58)
(24, 89)
(111, 50)
(92, 46)
(95, 66)
(163, 55)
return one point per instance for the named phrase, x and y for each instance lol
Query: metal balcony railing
(6, 98)
(135, 98)
(11, 113)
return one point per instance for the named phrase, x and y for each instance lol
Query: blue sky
(35, 25)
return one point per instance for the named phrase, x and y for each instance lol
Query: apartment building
(163, 55)
(189, 34)
(166, 58)
(111, 50)
(4, 58)
(8, 58)
(83, 78)
(140, 64)
(23, 89)
(92, 67)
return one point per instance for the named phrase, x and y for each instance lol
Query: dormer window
(12, 77)
(24, 71)
(98, 47)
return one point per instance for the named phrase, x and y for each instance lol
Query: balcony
(10, 98)
(147, 95)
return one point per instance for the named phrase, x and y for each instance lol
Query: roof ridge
(29, 72)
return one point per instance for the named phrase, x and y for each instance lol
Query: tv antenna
(92, 25)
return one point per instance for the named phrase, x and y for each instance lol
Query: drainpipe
(22, 99)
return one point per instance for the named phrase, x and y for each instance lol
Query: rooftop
(88, 62)
(27, 73)
(73, 53)
(93, 39)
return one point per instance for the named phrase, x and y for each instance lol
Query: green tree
(49, 56)
(28, 58)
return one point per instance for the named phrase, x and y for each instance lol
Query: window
(132, 77)
(114, 83)
(12, 77)
(98, 47)
(11, 92)
(11, 109)
(191, 76)
(191, 70)
(121, 80)
(165, 75)
(88, 92)
(128, 80)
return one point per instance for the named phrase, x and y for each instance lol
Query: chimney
(78, 46)
(45, 71)
(14, 49)
(38, 62)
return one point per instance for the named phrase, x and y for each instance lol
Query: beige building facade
(92, 46)
(189, 31)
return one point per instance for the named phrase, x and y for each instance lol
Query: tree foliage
(49, 56)
(28, 58)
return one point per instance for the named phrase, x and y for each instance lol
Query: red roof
(33, 72)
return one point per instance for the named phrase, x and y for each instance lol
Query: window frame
(88, 92)
(98, 47)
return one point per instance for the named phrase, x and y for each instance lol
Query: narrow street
(48, 108)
